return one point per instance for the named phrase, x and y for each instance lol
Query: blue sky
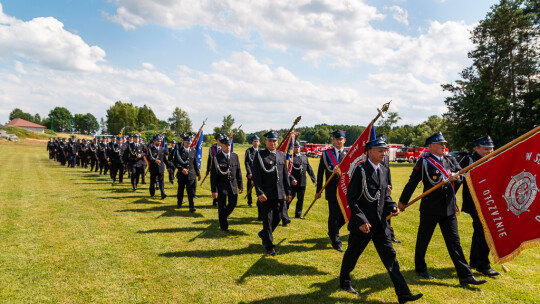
(264, 62)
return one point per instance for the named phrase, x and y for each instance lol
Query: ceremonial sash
(435, 163)
(213, 149)
(332, 157)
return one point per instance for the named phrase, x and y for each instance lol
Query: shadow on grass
(168, 211)
(235, 221)
(210, 232)
(324, 293)
(148, 201)
(266, 266)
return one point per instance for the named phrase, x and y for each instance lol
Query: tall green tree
(385, 125)
(146, 116)
(121, 114)
(18, 113)
(179, 121)
(499, 94)
(85, 123)
(61, 119)
(226, 127)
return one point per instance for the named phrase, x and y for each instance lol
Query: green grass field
(68, 236)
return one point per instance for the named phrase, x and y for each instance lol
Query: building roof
(19, 122)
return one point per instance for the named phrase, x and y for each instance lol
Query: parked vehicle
(313, 150)
(408, 154)
(458, 155)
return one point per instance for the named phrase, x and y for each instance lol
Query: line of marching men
(267, 174)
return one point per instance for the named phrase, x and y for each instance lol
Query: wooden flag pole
(296, 121)
(476, 163)
(381, 111)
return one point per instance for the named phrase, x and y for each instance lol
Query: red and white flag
(505, 192)
(355, 156)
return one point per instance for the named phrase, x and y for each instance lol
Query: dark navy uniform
(271, 179)
(248, 163)
(137, 152)
(300, 166)
(226, 177)
(102, 153)
(370, 202)
(335, 216)
(439, 207)
(479, 257)
(157, 157)
(213, 152)
(170, 167)
(186, 159)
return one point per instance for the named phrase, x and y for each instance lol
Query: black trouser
(449, 230)
(159, 177)
(115, 166)
(271, 216)
(171, 174)
(72, 160)
(103, 166)
(224, 209)
(479, 247)
(383, 245)
(392, 235)
(143, 175)
(248, 185)
(94, 162)
(136, 171)
(189, 185)
(298, 191)
(335, 222)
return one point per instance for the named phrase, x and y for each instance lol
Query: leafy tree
(499, 94)
(146, 116)
(123, 113)
(85, 123)
(385, 125)
(18, 113)
(239, 136)
(226, 127)
(61, 119)
(102, 126)
(179, 121)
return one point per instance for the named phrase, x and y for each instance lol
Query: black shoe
(192, 210)
(179, 205)
(250, 205)
(195, 196)
(349, 289)
(409, 298)
(300, 217)
(271, 251)
(426, 275)
(135, 188)
(490, 272)
(284, 224)
(338, 247)
(288, 221)
(163, 196)
(144, 183)
(471, 280)
(395, 241)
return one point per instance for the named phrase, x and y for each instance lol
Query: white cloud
(44, 40)
(399, 14)
(148, 66)
(339, 31)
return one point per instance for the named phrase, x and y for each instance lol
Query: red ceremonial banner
(353, 158)
(505, 192)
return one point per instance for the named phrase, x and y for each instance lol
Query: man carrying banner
(185, 161)
(369, 201)
(479, 257)
(330, 158)
(226, 182)
(248, 162)
(272, 185)
(300, 165)
(438, 208)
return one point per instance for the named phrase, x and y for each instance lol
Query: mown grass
(68, 236)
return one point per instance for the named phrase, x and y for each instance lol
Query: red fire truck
(411, 154)
(313, 150)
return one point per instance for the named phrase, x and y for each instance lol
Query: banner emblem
(521, 192)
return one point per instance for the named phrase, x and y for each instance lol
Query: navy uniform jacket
(114, 153)
(226, 184)
(211, 155)
(123, 148)
(441, 202)
(248, 160)
(362, 210)
(273, 185)
(157, 153)
(135, 149)
(302, 163)
(102, 151)
(468, 204)
(323, 174)
(186, 160)
(73, 148)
